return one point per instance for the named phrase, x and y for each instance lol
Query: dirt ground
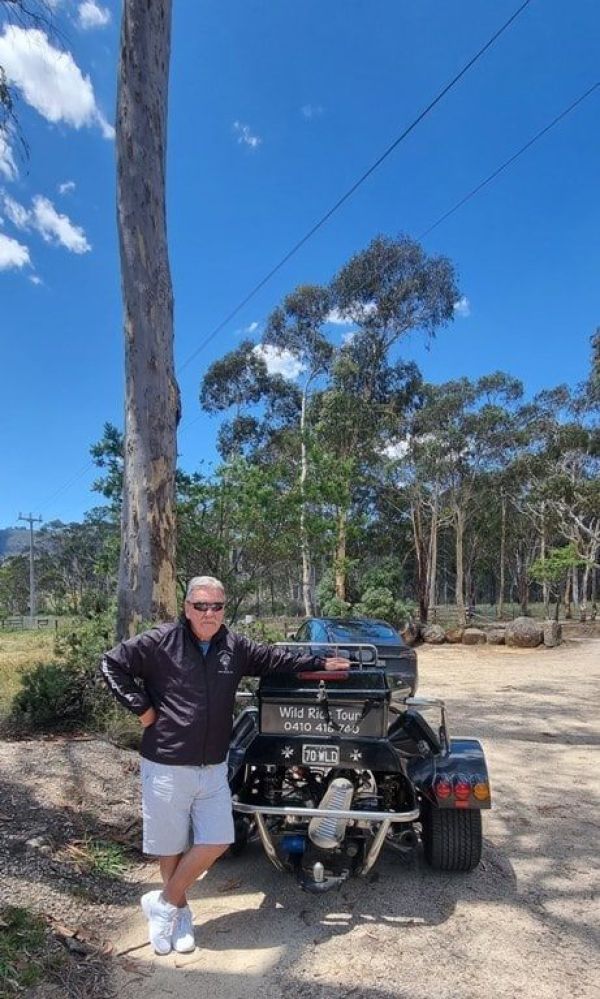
(525, 923)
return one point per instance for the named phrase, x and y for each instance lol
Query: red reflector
(462, 789)
(443, 787)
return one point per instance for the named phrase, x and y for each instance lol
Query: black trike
(327, 768)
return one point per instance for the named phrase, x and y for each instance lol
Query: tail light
(481, 790)
(462, 788)
(443, 788)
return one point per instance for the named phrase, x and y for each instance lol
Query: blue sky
(275, 109)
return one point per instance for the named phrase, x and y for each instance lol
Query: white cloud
(8, 167)
(462, 307)
(252, 328)
(51, 225)
(348, 337)
(16, 213)
(50, 80)
(91, 15)
(311, 111)
(57, 228)
(279, 362)
(397, 450)
(354, 314)
(245, 136)
(67, 187)
(12, 253)
(35, 279)
(338, 319)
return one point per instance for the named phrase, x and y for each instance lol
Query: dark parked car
(393, 653)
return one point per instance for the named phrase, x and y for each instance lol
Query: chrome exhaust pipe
(328, 833)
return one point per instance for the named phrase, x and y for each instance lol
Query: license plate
(328, 756)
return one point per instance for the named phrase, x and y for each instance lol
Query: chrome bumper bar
(411, 815)
(384, 818)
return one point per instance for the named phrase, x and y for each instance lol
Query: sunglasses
(201, 605)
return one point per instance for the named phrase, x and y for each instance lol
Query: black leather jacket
(193, 695)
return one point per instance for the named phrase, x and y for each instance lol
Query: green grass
(23, 950)
(19, 650)
(100, 857)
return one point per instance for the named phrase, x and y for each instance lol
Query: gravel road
(524, 924)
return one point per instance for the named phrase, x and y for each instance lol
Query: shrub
(262, 631)
(334, 607)
(67, 692)
(379, 602)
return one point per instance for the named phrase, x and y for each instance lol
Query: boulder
(524, 633)
(454, 635)
(552, 634)
(496, 636)
(433, 634)
(473, 636)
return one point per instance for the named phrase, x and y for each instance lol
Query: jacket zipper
(206, 685)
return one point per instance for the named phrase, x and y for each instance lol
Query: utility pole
(31, 521)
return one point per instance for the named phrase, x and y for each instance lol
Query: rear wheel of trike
(452, 839)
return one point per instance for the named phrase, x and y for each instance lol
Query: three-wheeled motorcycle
(329, 767)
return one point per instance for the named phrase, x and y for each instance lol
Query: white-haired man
(180, 679)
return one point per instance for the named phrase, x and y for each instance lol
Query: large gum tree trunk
(432, 558)
(421, 561)
(459, 521)
(340, 555)
(147, 590)
(306, 563)
(501, 584)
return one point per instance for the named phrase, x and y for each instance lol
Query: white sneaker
(183, 932)
(161, 918)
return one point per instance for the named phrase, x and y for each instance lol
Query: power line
(324, 218)
(483, 183)
(69, 483)
(507, 162)
(563, 114)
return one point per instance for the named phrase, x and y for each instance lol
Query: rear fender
(245, 730)
(438, 778)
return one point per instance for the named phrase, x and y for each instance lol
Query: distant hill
(13, 540)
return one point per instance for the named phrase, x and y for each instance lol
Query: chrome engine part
(328, 833)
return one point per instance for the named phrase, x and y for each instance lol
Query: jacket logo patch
(225, 664)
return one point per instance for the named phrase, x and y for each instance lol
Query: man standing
(180, 680)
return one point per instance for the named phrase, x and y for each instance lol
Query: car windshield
(362, 631)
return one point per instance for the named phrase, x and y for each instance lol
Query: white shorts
(184, 805)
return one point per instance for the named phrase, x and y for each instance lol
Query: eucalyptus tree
(108, 455)
(413, 472)
(14, 585)
(296, 327)
(560, 490)
(147, 589)
(240, 525)
(467, 431)
(386, 291)
(262, 404)
(29, 14)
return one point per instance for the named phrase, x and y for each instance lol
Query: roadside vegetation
(24, 956)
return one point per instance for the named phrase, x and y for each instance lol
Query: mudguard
(463, 765)
(245, 728)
